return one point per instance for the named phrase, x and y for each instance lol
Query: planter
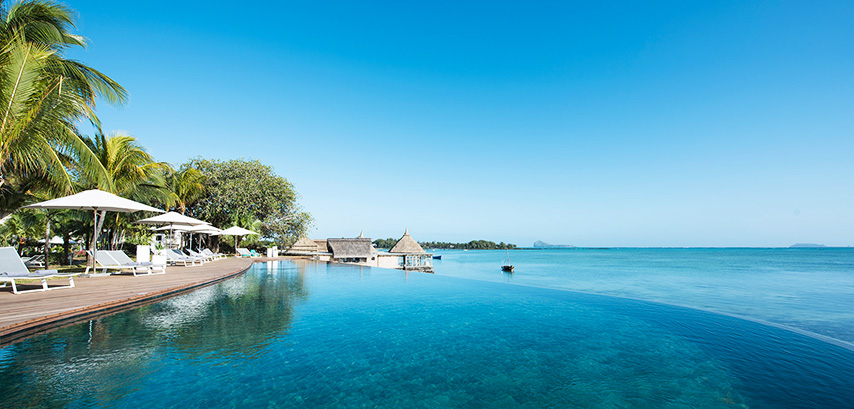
(158, 260)
(143, 253)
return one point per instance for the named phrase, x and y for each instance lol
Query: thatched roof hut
(322, 246)
(407, 244)
(358, 248)
(304, 245)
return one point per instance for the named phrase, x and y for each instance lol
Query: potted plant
(159, 257)
(141, 237)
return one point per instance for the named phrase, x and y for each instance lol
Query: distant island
(805, 245)
(472, 245)
(543, 245)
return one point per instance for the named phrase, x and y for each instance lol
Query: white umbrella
(201, 229)
(235, 231)
(58, 240)
(95, 200)
(172, 219)
(211, 230)
(177, 227)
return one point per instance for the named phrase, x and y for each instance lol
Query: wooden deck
(22, 315)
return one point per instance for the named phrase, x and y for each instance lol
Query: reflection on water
(238, 317)
(306, 335)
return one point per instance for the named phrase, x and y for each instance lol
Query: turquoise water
(304, 335)
(805, 289)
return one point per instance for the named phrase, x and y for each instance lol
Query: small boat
(437, 257)
(507, 267)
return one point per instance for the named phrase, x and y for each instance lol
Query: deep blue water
(806, 289)
(311, 335)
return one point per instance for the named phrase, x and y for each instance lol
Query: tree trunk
(116, 235)
(66, 246)
(102, 220)
(94, 241)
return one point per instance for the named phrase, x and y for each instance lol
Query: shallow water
(807, 289)
(315, 335)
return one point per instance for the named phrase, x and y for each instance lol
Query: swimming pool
(304, 335)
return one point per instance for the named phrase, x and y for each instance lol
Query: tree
(42, 96)
(385, 243)
(242, 191)
(67, 223)
(129, 171)
(187, 186)
(21, 227)
(472, 245)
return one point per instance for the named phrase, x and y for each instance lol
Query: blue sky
(585, 123)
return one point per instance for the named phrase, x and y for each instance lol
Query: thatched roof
(407, 244)
(351, 248)
(322, 246)
(304, 245)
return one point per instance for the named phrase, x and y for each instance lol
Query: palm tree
(18, 229)
(42, 96)
(129, 171)
(187, 186)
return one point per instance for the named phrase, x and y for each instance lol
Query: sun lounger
(195, 254)
(34, 261)
(110, 265)
(212, 254)
(121, 258)
(247, 253)
(175, 257)
(12, 269)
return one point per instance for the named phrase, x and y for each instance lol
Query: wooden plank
(26, 313)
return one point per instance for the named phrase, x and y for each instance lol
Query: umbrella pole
(94, 239)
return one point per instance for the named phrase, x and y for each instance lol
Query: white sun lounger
(34, 261)
(121, 258)
(12, 268)
(175, 257)
(212, 254)
(204, 258)
(246, 253)
(107, 262)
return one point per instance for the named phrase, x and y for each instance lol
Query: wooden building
(358, 250)
(406, 254)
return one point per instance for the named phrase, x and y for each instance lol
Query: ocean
(806, 289)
